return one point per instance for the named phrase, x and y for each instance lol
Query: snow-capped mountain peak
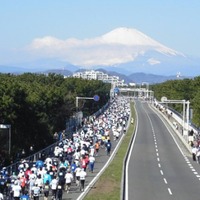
(133, 37)
(127, 36)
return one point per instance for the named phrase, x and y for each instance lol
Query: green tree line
(37, 105)
(182, 89)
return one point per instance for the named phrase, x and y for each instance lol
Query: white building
(97, 75)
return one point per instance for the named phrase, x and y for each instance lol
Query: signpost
(95, 98)
(185, 112)
(79, 115)
(163, 99)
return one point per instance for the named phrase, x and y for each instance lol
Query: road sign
(96, 98)
(163, 99)
(4, 126)
(116, 90)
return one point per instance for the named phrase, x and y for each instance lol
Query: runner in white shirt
(68, 180)
(92, 150)
(1, 196)
(83, 175)
(16, 189)
(36, 192)
(54, 184)
(77, 171)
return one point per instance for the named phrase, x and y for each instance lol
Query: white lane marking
(165, 180)
(169, 190)
(130, 152)
(158, 159)
(195, 172)
(198, 176)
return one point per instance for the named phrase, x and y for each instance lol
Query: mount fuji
(124, 50)
(148, 56)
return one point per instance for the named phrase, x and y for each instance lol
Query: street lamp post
(7, 126)
(187, 114)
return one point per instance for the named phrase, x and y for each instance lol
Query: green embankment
(109, 184)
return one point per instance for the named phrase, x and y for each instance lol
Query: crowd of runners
(71, 160)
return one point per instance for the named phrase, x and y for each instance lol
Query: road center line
(165, 180)
(169, 190)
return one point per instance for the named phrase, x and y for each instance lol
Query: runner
(82, 179)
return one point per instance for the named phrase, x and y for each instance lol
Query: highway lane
(158, 169)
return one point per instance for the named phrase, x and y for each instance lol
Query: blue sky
(174, 23)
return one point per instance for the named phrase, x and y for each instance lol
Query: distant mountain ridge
(137, 77)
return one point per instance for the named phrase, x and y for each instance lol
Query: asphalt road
(159, 168)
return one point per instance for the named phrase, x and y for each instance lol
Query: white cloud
(118, 46)
(153, 61)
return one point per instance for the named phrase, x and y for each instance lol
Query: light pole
(7, 126)
(187, 114)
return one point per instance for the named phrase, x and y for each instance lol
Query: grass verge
(109, 184)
